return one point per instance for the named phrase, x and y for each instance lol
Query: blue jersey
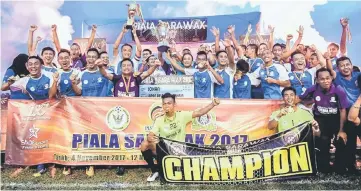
(242, 88)
(118, 66)
(64, 83)
(37, 88)
(255, 63)
(275, 71)
(203, 83)
(350, 86)
(49, 69)
(93, 84)
(110, 84)
(302, 80)
(14, 94)
(224, 90)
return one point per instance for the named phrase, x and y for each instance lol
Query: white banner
(181, 86)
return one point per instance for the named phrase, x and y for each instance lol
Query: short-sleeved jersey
(93, 84)
(302, 80)
(64, 83)
(14, 94)
(254, 64)
(275, 71)
(79, 63)
(350, 86)
(291, 119)
(242, 88)
(224, 90)
(172, 128)
(37, 88)
(203, 82)
(118, 67)
(121, 84)
(49, 69)
(326, 103)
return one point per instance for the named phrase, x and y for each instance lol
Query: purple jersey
(166, 68)
(326, 103)
(121, 84)
(79, 63)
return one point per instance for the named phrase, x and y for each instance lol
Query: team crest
(99, 79)
(121, 84)
(32, 89)
(66, 81)
(132, 84)
(318, 98)
(291, 78)
(271, 73)
(206, 122)
(117, 118)
(291, 137)
(85, 81)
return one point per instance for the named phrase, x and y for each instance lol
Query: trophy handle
(140, 14)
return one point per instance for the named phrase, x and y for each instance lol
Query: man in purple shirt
(330, 103)
(127, 83)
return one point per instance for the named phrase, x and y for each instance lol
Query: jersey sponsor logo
(333, 100)
(121, 84)
(318, 98)
(117, 118)
(291, 137)
(291, 78)
(204, 80)
(245, 83)
(99, 80)
(46, 86)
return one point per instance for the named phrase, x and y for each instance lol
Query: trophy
(133, 10)
(196, 22)
(162, 36)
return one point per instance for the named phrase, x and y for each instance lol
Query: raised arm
(215, 74)
(100, 64)
(288, 41)
(294, 48)
(230, 53)
(35, 45)
(30, 38)
(231, 30)
(137, 43)
(260, 39)
(205, 110)
(91, 38)
(55, 38)
(273, 123)
(271, 32)
(215, 32)
(320, 57)
(329, 64)
(151, 70)
(174, 63)
(119, 40)
(344, 24)
(246, 38)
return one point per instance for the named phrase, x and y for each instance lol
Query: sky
(320, 19)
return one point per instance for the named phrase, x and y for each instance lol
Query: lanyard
(299, 78)
(127, 85)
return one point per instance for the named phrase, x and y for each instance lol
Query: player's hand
(33, 28)
(313, 48)
(215, 31)
(73, 79)
(125, 28)
(271, 29)
(94, 27)
(283, 112)
(289, 37)
(315, 126)
(300, 31)
(327, 55)
(56, 76)
(271, 80)
(226, 42)
(216, 101)
(157, 63)
(344, 22)
(53, 27)
(231, 29)
(99, 62)
(343, 136)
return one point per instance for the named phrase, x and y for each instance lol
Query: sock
(148, 157)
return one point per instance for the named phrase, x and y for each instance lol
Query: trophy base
(163, 48)
(130, 27)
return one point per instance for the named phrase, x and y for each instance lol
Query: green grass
(135, 178)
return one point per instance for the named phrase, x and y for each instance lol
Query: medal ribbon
(127, 85)
(299, 78)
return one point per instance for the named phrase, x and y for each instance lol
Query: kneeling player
(172, 126)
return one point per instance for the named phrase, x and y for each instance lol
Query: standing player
(330, 103)
(274, 77)
(204, 76)
(172, 126)
(242, 83)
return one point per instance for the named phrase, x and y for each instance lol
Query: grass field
(135, 178)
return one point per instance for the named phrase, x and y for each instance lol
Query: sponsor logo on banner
(206, 122)
(35, 112)
(118, 118)
(156, 86)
